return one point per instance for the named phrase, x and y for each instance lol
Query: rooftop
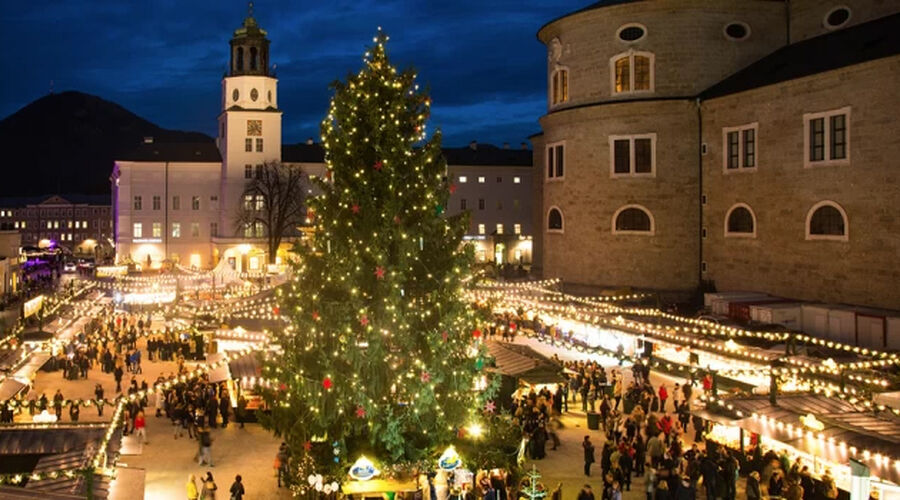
(861, 43)
(175, 152)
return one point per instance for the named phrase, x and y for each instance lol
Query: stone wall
(780, 260)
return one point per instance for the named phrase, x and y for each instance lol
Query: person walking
(586, 493)
(192, 492)
(588, 454)
(118, 373)
(753, 492)
(205, 446)
(237, 488)
(98, 392)
(240, 414)
(140, 427)
(209, 487)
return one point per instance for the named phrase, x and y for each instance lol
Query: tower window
(248, 144)
(248, 171)
(554, 220)
(559, 86)
(827, 137)
(253, 56)
(632, 72)
(259, 145)
(239, 66)
(837, 17)
(826, 220)
(633, 219)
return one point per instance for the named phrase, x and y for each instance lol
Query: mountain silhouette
(67, 142)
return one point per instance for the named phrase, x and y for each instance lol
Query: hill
(67, 142)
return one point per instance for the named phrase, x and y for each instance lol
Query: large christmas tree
(383, 354)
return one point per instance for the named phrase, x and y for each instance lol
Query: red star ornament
(355, 208)
(276, 310)
(311, 214)
(364, 320)
(445, 336)
(360, 412)
(307, 445)
(378, 165)
(315, 315)
(490, 407)
(476, 333)
(379, 272)
(452, 188)
(426, 376)
(326, 383)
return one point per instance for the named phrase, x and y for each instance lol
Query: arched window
(827, 220)
(554, 220)
(559, 86)
(633, 219)
(632, 72)
(253, 61)
(740, 221)
(239, 66)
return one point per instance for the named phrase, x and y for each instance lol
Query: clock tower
(250, 121)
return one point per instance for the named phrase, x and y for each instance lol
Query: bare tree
(272, 204)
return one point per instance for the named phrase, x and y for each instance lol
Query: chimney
(148, 139)
(473, 145)
(309, 142)
(524, 146)
(505, 145)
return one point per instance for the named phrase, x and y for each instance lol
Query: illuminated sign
(449, 459)
(363, 469)
(147, 240)
(111, 271)
(33, 306)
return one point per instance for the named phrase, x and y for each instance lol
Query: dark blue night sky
(164, 59)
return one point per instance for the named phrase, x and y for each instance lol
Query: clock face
(235, 94)
(254, 94)
(254, 127)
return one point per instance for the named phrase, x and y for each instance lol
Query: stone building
(180, 202)
(748, 144)
(82, 224)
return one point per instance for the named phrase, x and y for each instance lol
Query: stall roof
(245, 366)
(524, 362)
(842, 421)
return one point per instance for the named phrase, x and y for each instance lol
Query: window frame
(729, 234)
(631, 54)
(651, 232)
(481, 228)
(547, 155)
(562, 219)
(827, 160)
(631, 157)
(137, 230)
(828, 237)
(740, 129)
(554, 97)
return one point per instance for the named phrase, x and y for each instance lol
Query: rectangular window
(499, 180)
(462, 204)
(517, 228)
(137, 202)
(499, 228)
(214, 202)
(49, 224)
(258, 229)
(77, 225)
(623, 74)
(260, 202)
(838, 141)
(480, 203)
(481, 229)
(631, 72)
(516, 204)
(248, 171)
(517, 180)
(559, 86)
(248, 230)
(138, 230)
(176, 203)
(739, 147)
(463, 179)
(157, 229)
(248, 145)
(213, 229)
(195, 203)
(555, 161)
(259, 145)
(195, 229)
(632, 155)
(499, 205)
(157, 202)
(827, 137)
(481, 180)
(176, 230)
(248, 202)
(817, 139)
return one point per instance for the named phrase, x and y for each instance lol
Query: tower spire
(249, 9)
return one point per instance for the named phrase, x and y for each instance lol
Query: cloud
(164, 59)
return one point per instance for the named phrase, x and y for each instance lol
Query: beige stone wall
(588, 252)
(808, 16)
(537, 205)
(863, 270)
(685, 36)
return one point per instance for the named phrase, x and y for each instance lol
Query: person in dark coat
(224, 407)
(753, 492)
(588, 447)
